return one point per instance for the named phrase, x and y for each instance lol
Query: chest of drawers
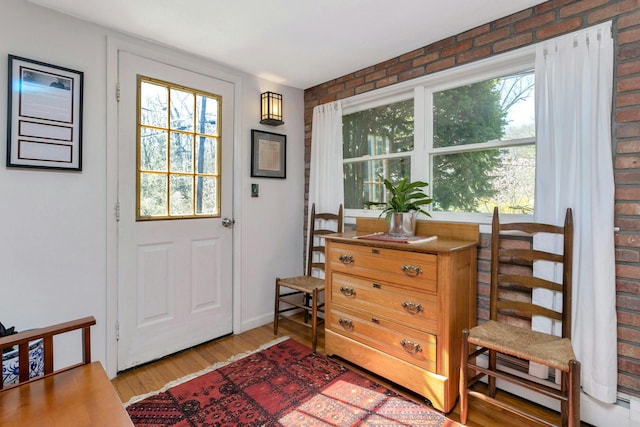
(398, 310)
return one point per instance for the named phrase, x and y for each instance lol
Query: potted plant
(406, 198)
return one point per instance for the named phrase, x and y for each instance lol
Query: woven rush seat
(549, 350)
(304, 283)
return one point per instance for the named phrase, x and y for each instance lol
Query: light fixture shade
(271, 109)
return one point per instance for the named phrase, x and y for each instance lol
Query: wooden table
(82, 396)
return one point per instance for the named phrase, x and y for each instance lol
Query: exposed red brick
(627, 208)
(603, 14)
(536, 21)
(440, 45)
(513, 42)
(627, 68)
(551, 5)
(580, 6)
(399, 68)
(473, 55)
(425, 59)
(628, 52)
(336, 88)
(627, 162)
(628, 224)
(410, 74)
(628, 99)
(511, 19)
(559, 28)
(375, 76)
(626, 147)
(364, 88)
(628, 334)
(474, 32)
(632, 240)
(628, 302)
(630, 287)
(386, 81)
(627, 255)
(629, 366)
(629, 20)
(457, 48)
(628, 36)
(629, 318)
(440, 65)
(354, 82)
(630, 115)
(492, 36)
(410, 55)
(628, 271)
(628, 383)
(628, 194)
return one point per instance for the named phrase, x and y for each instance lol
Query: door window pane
(178, 151)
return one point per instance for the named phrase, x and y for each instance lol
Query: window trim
(422, 89)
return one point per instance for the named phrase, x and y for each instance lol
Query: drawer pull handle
(410, 346)
(346, 323)
(347, 291)
(346, 259)
(412, 307)
(411, 270)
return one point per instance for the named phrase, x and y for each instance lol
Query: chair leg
(314, 320)
(277, 308)
(574, 394)
(464, 372)
(492, 366)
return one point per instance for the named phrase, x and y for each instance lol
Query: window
(377, 142)
(483, 151)
(178, 152)
(470, 135)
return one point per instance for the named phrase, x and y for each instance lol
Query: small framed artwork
(44, 123)
(268, 154)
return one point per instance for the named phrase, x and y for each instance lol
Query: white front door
(174, 275)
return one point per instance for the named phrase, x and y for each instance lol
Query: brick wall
(529, 26)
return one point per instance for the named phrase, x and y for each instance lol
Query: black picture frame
(268, 154)
(44, 123)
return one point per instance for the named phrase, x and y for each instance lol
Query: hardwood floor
(153, 376)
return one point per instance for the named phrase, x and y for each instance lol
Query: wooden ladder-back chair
(302, 293)
(499, 336)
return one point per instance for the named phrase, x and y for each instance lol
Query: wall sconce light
(271, 109)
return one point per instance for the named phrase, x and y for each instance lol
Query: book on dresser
(398, 309)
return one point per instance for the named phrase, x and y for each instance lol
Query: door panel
(174, 276)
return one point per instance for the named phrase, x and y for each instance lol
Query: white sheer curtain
(325, 176)
(574, 78)
(325, 180)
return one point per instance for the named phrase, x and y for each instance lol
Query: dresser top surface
(444, 244)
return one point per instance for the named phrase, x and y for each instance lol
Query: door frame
(176, 59)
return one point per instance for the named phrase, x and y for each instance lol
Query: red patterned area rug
(283, 385)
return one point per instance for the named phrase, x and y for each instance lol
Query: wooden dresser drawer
(418, 270)
(402, 342)
(406, 306)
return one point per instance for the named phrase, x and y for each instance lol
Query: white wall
(57, 240)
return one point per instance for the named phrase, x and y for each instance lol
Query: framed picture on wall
(268, 154)
(44, 124)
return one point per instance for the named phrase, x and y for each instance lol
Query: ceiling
(298, 43)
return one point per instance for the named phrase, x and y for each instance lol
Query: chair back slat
(512, 268)
(320, 224)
